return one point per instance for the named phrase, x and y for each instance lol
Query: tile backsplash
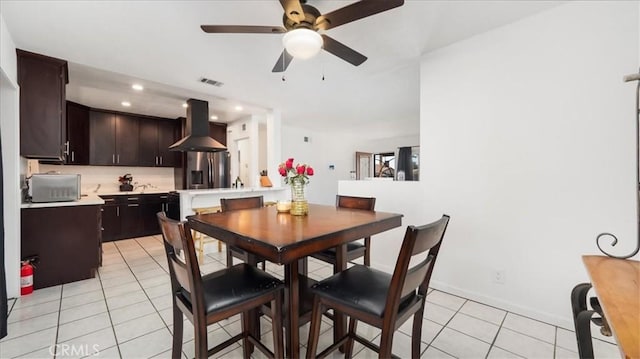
(107, 176)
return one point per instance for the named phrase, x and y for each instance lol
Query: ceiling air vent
(211, 82)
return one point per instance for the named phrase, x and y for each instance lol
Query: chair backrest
(184, 273)
(366, 203)
(405, 280)
(232, 204)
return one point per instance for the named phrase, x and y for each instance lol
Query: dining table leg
(292, 290)
(339, 321)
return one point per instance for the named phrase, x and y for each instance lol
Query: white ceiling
(111, 44)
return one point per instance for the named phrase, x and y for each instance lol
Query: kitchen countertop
(208, 191)
(125, 193)
(89, 200)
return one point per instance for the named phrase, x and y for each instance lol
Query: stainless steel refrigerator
(205, 170)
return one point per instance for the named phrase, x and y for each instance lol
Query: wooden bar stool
(200, 237)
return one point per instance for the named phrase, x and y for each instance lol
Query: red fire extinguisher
(26, 278)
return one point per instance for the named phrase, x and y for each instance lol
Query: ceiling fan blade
(293, 10)
(343, 51)
(283, 62)
(242, 29)
(355, 11)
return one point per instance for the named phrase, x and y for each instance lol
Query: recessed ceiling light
(238, 108)
(185, 105)
(214, 117)
(126, 103)
(137, 87)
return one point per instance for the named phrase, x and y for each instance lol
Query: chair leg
(416, 333)
(367, 251)
(348, 349)
(314, 329)
(386, 340)
(201, 248)
(276, 323)
(200, 339)
(229, 258)
(178, 325)
(246, 327)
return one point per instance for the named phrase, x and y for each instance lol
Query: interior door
(364, 167)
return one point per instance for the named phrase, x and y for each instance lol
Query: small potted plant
(125, 182)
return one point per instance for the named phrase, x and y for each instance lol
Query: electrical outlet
(499, 276)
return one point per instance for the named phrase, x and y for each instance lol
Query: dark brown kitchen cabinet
(126, 140)
(168, 134)
(110, 220)
(218, 131)
(150, 205)
(130, 220)
(67, 243)
(129, 216)
(114, 139)
(42, 81)
(77, 134)
(156, 136)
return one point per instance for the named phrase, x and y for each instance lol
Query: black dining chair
(205, 300)
(234, 204)
(355, 249)
(380, 299)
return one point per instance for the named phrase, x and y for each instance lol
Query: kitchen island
(200, 198)
(65, 237)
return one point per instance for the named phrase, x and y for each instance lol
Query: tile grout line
(496, 336)
(55, 342)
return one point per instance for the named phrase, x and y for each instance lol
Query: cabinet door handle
(132, 198)
(73, 157)
(156, 160)
(113, 158)
(118, 159)
(66, 148)
(133, 205)
(163, 197)
(161, 160)
(118, 211)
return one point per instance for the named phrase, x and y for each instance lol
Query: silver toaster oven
(54, 187)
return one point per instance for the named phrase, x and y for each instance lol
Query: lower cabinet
(66, 241)
(129, 216)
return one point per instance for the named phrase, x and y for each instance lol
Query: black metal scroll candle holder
(629, 78)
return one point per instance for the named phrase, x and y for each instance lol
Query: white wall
(322, 150)
(9, 112)
(527, 142)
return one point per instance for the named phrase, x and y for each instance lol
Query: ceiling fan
(302, 23)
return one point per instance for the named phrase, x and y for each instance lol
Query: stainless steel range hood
(197, 130)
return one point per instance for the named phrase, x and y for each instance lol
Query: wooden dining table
(286, 239)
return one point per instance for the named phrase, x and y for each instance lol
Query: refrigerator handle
(210, 170)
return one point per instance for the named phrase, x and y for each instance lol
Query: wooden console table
(617, 286)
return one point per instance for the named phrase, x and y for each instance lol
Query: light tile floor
(126, 312)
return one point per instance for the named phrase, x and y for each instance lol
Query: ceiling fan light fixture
(302, 43)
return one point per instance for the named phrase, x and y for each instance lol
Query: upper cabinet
(77, 134)
(114, 139)
(42, 81)
(156, 135)
(218, 131)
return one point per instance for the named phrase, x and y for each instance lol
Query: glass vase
(299, 205)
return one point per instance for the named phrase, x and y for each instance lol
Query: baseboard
(533, 313)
